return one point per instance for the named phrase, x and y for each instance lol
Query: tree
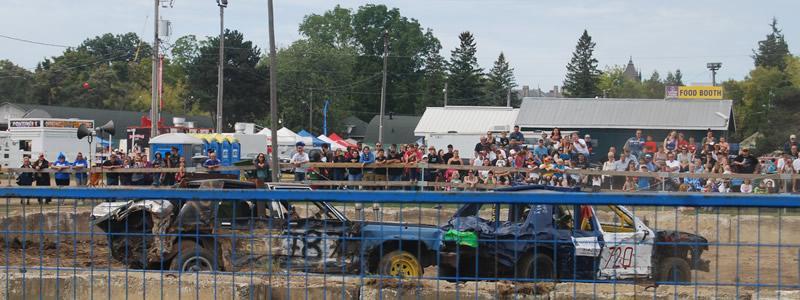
(773, 50)
(653, 87)
(614, 84)
(466, 77)
(363, 31)
(245, 84)
(583, 76)
(675, 79)
(15, 82)
(500, 81)
(434, 78)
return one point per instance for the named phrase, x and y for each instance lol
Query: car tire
(674, 269)
(193, 258)
(536, 266)
(400, 263)
(129, 250)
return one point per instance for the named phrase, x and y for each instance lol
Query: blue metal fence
(289, 242)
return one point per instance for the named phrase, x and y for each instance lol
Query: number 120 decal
(619, 257)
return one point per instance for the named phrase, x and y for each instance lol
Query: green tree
(499, 82)
(466, 77)
(653, 87)
(434, 78)
(15, 82)
(614, 84)
(675, 79)
(773, 50)
(245, 90)
(363, 30)
(583, 76)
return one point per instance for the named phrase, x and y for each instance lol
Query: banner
(693, 92)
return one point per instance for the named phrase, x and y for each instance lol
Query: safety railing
(438, 177)
(230, 239)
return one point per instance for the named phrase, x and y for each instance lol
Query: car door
(312, 237)
(628, 244)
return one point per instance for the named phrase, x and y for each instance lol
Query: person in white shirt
(298, 160)
(672, 164)
(579, 145)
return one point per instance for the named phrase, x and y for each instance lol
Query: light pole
(220, 71)
(273, 95)
(714, 67)
(154, 100)
(383, 84)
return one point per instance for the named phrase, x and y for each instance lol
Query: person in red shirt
(682, 142)
(650, 146)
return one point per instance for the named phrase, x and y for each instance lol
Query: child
(746, 187)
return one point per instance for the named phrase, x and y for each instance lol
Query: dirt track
(735, 253)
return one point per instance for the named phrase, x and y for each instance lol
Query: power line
(32, 42)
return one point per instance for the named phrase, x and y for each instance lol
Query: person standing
(173, 160)
(213, 164)
(262, 168)
(516, 138)
(635, 145)
(112, 163)
(158, 163)
(80, 165)
(298, 160)
(42, 177)
(61, 164)
(25, 178)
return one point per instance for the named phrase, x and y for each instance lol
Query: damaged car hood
(120, 210)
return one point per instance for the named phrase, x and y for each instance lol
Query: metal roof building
(671, 114)
(462, 126)
(397, 129)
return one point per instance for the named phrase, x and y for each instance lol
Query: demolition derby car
(532, 241)
(311, 236)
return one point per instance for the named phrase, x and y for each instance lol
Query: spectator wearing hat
(60, 165)
(787, 147)
(299, 159)
(745, 162)
(448, 155)
(649, 163)
(516, 138)
(540, 150)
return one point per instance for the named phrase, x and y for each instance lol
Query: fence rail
(290, 242)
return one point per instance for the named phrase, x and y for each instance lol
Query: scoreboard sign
(694, 92)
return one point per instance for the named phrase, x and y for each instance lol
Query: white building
(462, 126)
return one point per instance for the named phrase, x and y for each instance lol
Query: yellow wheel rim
(404, 266)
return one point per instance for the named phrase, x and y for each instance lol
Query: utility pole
(508, 98)
(154, 101)
(310, 110)
(273, 95)
(220, 71)
(383, 84)
(445, 93)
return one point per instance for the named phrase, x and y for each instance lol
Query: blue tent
(317, 142)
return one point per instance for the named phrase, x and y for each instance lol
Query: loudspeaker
(108, 128)
(84, 132)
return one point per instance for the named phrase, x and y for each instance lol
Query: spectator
(649, 163)
(540, 150)
(433, 158)
(478, 160)
(546, 141)
(555, 136)
(60, 165)
(643, 182)
(262, 168)
(26, 178)
(793, 152)
(455, 182)
(579, 145)
(504, 142)
(745, 163)
(635, 144)
(661, 156)
(692, 147)
(299, 159)
(672, 164)
(181, 172)
(395, 174)
(609, 165)
(354, 173)
(456, 159)
(339, 174)
(213, 164)
(482, 146)
(682, 140)
(127, 163)
(684, 155)
(671, 142)
(42, 178)
(471, 180)
(157, 163)
(723, 144)
(411, 158)
(787, 147)
(173, 160)
(630, 181)
(447, 156)
(366, 157)
(112, 163)
(378, 146)
(746, 187)
(379, 174)
(516, 138)
(80, 165)
(650, 146)
(589, 144)
(490, 138)
(796, 166)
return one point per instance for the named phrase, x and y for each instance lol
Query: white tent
(285, 136)
(334, 144)
(286, 132)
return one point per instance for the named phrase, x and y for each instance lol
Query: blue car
(549, 242)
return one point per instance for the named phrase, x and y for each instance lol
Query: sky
(537, 37)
